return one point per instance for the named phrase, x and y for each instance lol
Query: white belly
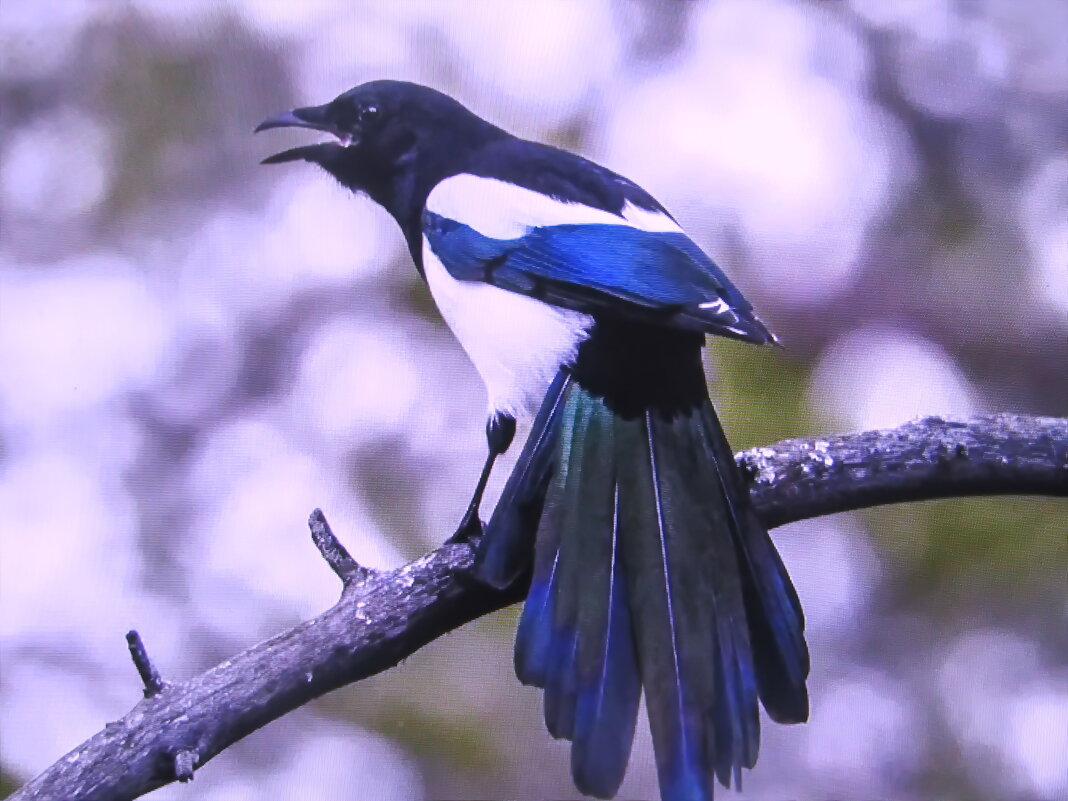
(516, 343)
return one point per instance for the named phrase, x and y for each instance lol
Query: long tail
(650, 571)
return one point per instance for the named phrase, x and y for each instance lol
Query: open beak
(317, 118)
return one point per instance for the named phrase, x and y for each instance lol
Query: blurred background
(195, 351)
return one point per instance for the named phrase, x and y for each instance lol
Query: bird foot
(469, 530)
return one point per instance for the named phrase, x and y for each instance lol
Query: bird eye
(368, 113)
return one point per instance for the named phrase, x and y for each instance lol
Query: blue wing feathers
(602, 267)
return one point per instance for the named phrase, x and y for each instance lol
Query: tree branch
(384, 616)
(1005, 454)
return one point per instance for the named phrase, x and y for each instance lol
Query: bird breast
(516, 343)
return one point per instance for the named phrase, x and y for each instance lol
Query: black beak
(318, 118)
(316, 154)
(315, 117)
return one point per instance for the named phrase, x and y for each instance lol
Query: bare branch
(150, 678)
(1003, 454)
(335, 554)
(383, 617)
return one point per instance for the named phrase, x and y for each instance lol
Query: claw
(469, 530)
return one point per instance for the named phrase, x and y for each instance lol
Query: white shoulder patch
(501, 210)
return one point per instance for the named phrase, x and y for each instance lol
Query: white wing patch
(501, 210)
(516, 343)
(717, 306)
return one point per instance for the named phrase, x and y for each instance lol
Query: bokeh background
(195, 351)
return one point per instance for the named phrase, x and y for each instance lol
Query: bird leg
(500, 429)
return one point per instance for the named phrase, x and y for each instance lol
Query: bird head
(384, 132)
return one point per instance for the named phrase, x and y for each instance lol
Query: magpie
(580, 300)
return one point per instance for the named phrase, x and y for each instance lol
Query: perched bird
(578, 297)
